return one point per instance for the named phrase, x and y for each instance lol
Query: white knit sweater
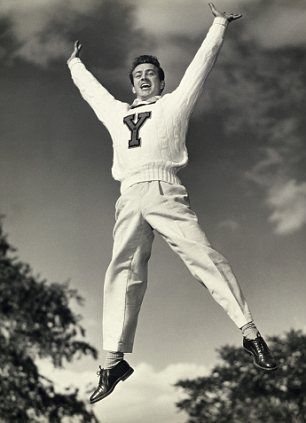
(149, 140)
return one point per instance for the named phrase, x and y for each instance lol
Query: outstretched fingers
(76, 51)
(213, 8)
(233, 16)
(77, 46)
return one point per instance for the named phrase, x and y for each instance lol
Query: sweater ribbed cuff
(221, 21)
(73, 61)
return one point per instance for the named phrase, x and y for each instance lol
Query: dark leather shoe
(262, 356)
(109, 379)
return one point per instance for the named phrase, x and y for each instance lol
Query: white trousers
(165, 208)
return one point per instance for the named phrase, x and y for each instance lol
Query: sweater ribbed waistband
(153, 172)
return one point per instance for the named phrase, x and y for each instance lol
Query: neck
(140, 99)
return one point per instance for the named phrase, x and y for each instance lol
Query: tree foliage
(36, 322)
(237, 392)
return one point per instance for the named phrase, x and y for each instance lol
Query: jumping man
(149, 150)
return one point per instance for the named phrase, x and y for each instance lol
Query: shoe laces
(260, 347)
(100, 371)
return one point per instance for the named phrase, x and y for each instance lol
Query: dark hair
(146, 58)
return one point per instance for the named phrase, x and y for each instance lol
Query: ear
(133, 89)
(162, 86)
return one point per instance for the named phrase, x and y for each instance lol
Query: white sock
(250, 331)
(112, 359)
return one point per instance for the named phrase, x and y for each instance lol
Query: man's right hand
(76, 51)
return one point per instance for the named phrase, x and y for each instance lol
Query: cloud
(262, 170)
(39, 27)
(41, 52)
(288, 202)
(44, 31)
(281, 24)
(276, 173)
(258, 93)
(148, 395)
(270, 25)
(285, 197)
(179, 18)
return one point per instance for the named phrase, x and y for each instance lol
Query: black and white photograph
(152, 211)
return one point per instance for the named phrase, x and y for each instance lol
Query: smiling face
(146, 82)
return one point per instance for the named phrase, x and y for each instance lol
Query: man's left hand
(229, 16)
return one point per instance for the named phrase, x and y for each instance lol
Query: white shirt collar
(138, 102)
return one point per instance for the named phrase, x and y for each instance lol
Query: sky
(246, 175)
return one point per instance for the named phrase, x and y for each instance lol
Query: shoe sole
(122, 378)
(267, 369)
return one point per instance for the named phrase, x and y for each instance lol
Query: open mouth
(145, 86)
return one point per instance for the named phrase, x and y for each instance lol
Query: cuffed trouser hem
(118, 347)
(243, 321)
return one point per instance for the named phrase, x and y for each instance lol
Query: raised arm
(100, 100)
(191, 84)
